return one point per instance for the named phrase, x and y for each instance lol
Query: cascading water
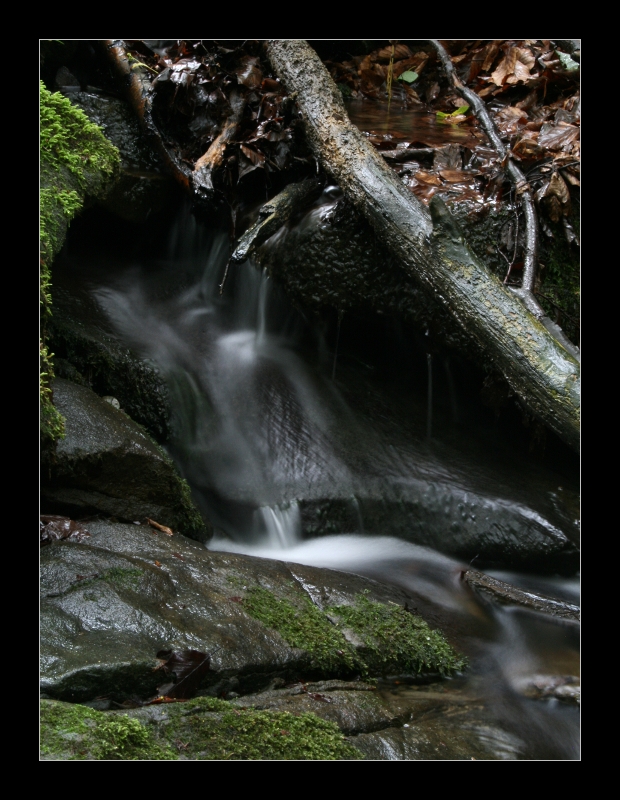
(260, 433)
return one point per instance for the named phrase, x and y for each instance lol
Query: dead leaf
(558, 135)
(427, 177)
(320, 697)
(490, 54)
(249, 73)
(510, 119)
(53, 528)
(159, 527)
(157, 563)
(556, 197)
(527, 148)
(515, 67)
(400, 51)
(455, 176)
(188, 668)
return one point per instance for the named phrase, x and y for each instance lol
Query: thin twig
(530, 247)
(518, 178)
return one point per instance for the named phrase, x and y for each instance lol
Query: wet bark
(139, 92)
(203, 169)
(504, 594)
(540, 370)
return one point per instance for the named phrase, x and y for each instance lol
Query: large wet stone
(110, 604)
(108, 464)
(143, 186)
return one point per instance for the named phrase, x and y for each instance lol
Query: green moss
(73, 732)
(75, 160)
(306, 627)
(398, 640)
(394, 640)
(52, 423)
(204, 729)
(189, 517)
(248, 734)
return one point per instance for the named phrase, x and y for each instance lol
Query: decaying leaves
(52, 528)
(187, 668)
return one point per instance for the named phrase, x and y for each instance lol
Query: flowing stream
(261, 427)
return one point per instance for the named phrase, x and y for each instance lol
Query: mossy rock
(76, 160)
(205, 729)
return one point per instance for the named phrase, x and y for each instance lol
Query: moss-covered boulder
(76, 161)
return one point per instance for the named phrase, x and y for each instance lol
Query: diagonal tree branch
(541, 371)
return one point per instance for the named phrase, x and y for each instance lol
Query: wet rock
(108, 464)
(87, 352)
(331, 259)
(143, 186)
(111, 604)
(562, 687)
(355, 707)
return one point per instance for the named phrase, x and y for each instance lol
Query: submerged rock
(108, 464)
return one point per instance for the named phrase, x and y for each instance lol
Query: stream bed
(300, 452)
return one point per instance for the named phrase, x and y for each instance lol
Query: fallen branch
(542, 372)
(522, 190)
(506, 595)
(274, 214)
(139, 93)
(202, 177)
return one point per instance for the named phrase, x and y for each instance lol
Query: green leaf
(458, 112)
(409, 76)
(567, 62)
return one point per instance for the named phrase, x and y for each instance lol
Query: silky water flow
(257, 427)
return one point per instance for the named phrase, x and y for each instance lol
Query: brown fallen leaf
(157, 563)
(159, 527)
(53, 528)
(455, 176)
(187, 667)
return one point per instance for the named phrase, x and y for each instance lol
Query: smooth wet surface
(414, 125)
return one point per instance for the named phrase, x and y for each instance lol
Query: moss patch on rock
(396, 639)
(214, 730)
(77, 733)
(205, 729)
(76, 160)
(306, 627)
(392, 638)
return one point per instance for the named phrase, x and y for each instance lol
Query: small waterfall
(278, 527)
